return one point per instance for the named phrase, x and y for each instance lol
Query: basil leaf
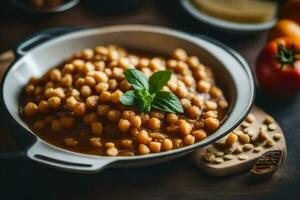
(158, 80)
(168, 102)
(137, 79)
(128, 98)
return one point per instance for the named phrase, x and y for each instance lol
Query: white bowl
(232, 73)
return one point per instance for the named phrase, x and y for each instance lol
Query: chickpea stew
(76, 106)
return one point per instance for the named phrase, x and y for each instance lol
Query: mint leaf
(168, 102)
(158, 80)
(144, 100)
(128, 98)
(137, 79)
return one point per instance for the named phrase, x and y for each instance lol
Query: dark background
(179, 179)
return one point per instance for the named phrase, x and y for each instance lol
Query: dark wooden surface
(179, 179)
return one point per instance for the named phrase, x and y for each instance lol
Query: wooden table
(179, 179)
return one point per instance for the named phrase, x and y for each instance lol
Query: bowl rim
(152, 29)
(225, 24)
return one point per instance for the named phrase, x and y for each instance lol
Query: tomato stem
(287, 56)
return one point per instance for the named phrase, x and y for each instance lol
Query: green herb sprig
(147, 94)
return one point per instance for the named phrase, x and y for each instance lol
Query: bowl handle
(67, 161)
(37, 38)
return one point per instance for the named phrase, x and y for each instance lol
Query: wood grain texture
(235, 165)
(178, 179)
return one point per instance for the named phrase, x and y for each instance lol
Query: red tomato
(278, 67)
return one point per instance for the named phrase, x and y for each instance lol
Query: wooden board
(236, 165)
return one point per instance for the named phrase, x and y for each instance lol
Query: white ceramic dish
(223, 24)
(232, 73)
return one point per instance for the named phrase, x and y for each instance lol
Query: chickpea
(79, 82)
(57, 92)
(109, 145)
(158, 136)
(125, 86)
(180, 54)
(143, 137)
(96, 142)
(223, 104)
(67, 80)
(154, 123)
(101, 50)
(115, 96)
(71, 103)
(210, 105)
(101, 87)
(90, 81)
(200, 74)
(127, 144)
(244, 138)
(29, 89)
(185, 103)
(71, 142)
(99, 66)
(199, 134)
(124, 125)
(155, 147)
(102, 110)
(68, 68)
(67, 121)
(203, 86)
(136, 121)
(112, 151)
(185, 128)
(49, 84)
(105, 97)
(189, 139)
(172, 118)
(177, 143)
(55, 75)
(197, 101)
(157, 114)
(167, 144)
(127, 114)
(231, 139)
(182, 68)
(211, 113)
(147, 72)
(171, 64)
(193, 112)
(182, 92)
(97, 128)
(108, 72)
(100, 77)
(114, 115)
(173, 129)
(90, 118)
(143, 149)
(85, 91)
(39, 125)
(87, 54)
(112, 55)
(88, 67)
(216, 92)
(43, 107)
(193, 62)
(112, 84)
(145, 118)
(144, 62)
(211, 124)
(92, 101)
(80, 109)
(134, 131)
(54, 102)
(155, 64)
(56, 125)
